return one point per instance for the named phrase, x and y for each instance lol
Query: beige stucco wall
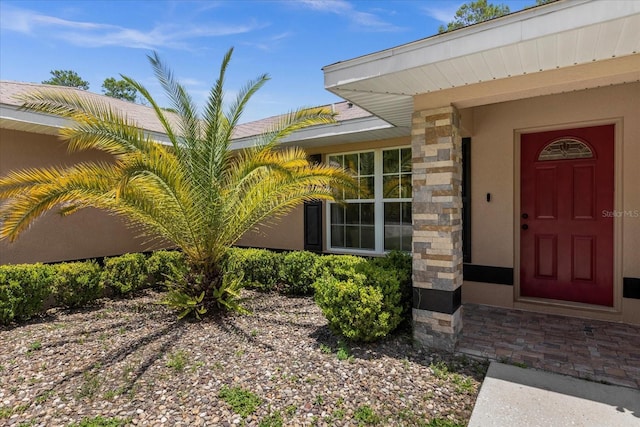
(282, 233)
(88, 233)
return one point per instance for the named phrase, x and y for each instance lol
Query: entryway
(566, 215)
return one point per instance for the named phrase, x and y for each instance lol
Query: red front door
(566, 223)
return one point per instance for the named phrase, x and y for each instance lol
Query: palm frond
(180, 100)
(96, 125)
(160, 113)
(295, 121)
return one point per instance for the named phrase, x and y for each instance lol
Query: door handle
(525, 227)
(525, 215)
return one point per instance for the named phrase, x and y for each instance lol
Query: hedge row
(363, 299)
(28, 289)
(291, 273)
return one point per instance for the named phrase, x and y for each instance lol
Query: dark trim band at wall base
(488, 274)
(437, 300)
(631, 287)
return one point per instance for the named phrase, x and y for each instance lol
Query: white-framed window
(377, 216)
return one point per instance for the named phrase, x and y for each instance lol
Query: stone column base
(437, 330)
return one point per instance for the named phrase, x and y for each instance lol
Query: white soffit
(550, 37)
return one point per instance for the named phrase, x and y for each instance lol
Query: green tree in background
(473, 13)
(120, 89)
(67, 78)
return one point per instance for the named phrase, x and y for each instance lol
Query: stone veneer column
(436, 148)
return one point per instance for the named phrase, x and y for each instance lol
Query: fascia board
(526, 25)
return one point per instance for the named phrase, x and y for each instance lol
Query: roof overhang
(558, 47)
(15, 118)
(26, 121)
(356, 130)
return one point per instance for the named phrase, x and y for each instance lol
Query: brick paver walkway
(591, 349)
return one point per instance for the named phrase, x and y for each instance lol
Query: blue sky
(290, 40)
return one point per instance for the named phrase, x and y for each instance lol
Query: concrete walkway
(511, 396)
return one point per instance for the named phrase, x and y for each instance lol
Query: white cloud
(444, 12)
(26, 21)
(91, 34)
(271, 43)
(361, 20)
(190, 82)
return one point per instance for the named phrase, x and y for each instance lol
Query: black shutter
(313, 219)
(466, 199)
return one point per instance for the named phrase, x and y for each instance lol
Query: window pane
(337, 214)
(351, 163)
(351, 194)
(336, 160)
(406, 238)
(353, 213)
(352, 236)
(366, 163)
(390, 161)
(368, 237)
(337, 236)
(367, 213)
(405, 165)
(392, 213)
(406, 213)
(366, 188)
(405, 186)
(390, 186)
(391, 238)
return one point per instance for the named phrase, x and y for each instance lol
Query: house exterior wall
(495, 170)
(284, 233)
(85, 234)
(91, 233)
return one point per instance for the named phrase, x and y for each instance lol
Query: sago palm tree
(195, 194)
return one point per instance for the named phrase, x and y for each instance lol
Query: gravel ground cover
(132, 361)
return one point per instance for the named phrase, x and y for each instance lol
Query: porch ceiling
(563, 46)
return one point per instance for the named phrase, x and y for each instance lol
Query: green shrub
(338, 265)
(401, 264)
(165, 265)
(126, 273)
(298, 271)
(362, 304)
(258, 267)
(77, 283)
(23, 290)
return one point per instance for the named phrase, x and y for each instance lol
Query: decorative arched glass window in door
(565, 149)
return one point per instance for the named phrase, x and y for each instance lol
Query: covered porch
(558, 72)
